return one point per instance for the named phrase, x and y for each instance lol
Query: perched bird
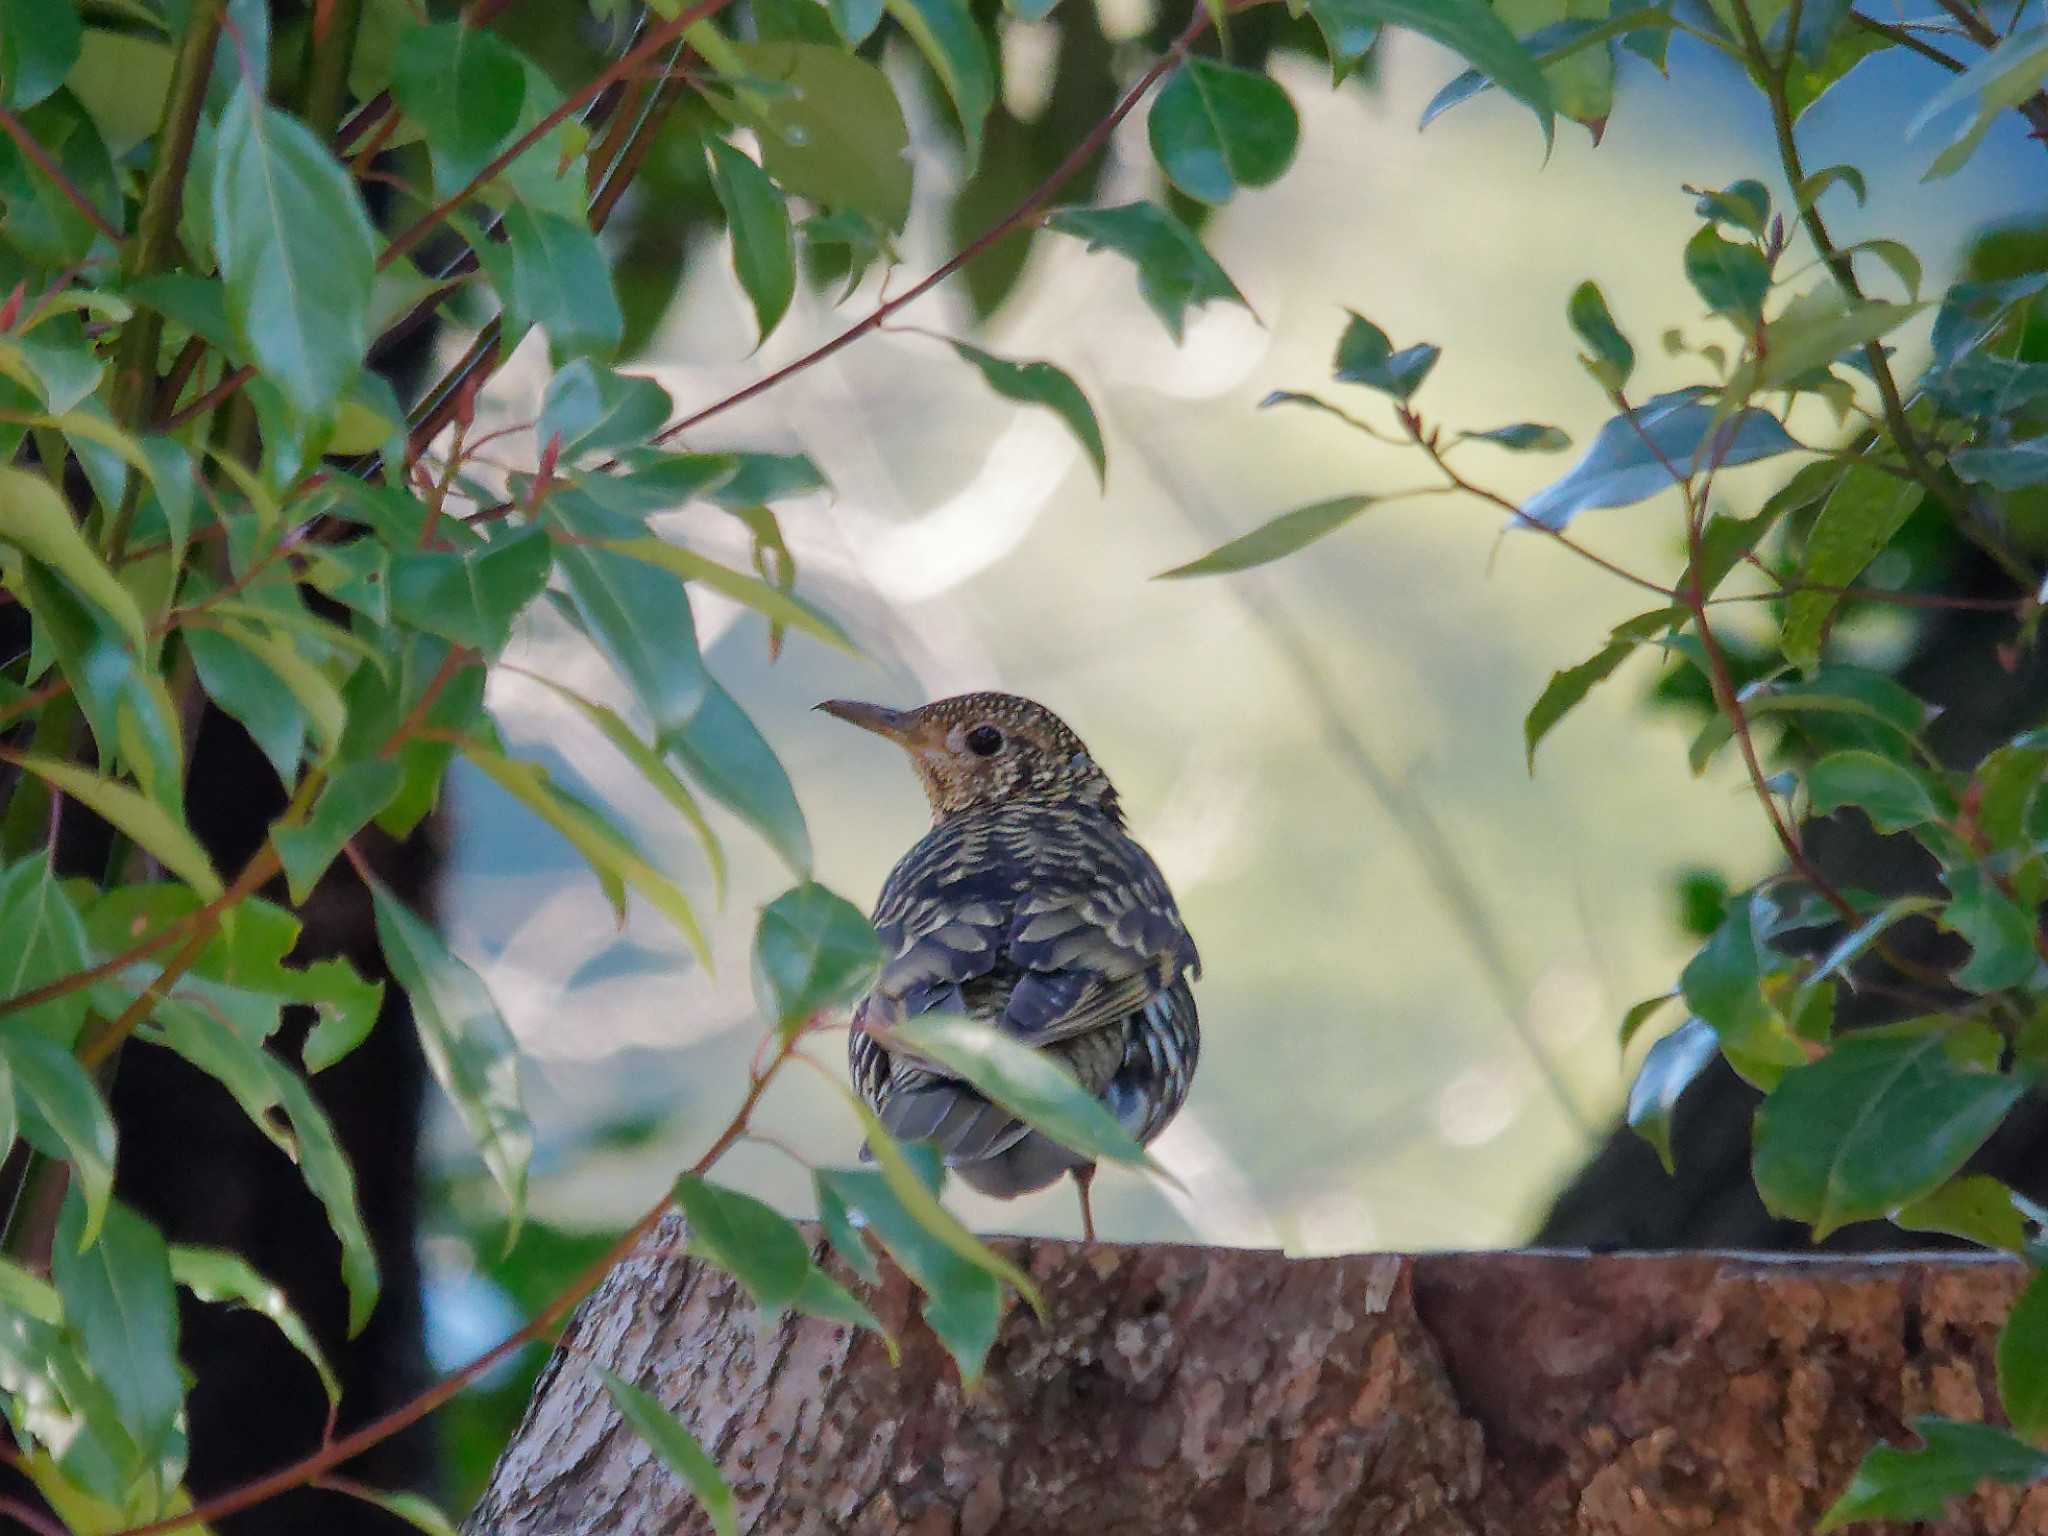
(1027, 906)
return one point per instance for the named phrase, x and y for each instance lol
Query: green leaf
(1868, 507)
(144, 821)
(963, 1302)
(783, 608)
(415, 1509)
(1745, 204)
(593, 410)
(62, 1115)
(1632, 456)
(1365, 356)
(2023, 1361)
(471, 1053)
(1893, 796)
(1640, 1014)
(325, 1168)
(217, 1276)
(1971, 1205)
(42, 223)
(1809, 191)
(1026, 1082)
(763, 244)
(1038, 383)
(1884, 1119)
(947, 35)
(1215, 128)
(615, 861)
(42, 938)
(214, 1046)
(1569, 687)
(752, 1242)
(29, 1294)
(300, 695)
(464, 87)
(473, 597)
(296, 251)
(920, 1201)
(353, 796)
(119, 1303)
(649, 763)
(1349, 28)
(2000, 932)
(724, 751)
(813, 950)
(637, 614)
(124, 698)
(2004, 77)
(39, 42)
(677, 1449)
(840, 1230)
(1953, 1459)
(1866, 933)
(1612, 359)
(1816, 328)
(1280, 536)
(356, 574)
(1731, 277)
(1723, 984)
(1174, 272)
(562, 283)
(1471, 29)
(1671, 1067)
(35, 521)
(835, 135)
(2013, 467)
(1522, 437)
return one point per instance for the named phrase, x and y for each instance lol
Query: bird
(1028, 907)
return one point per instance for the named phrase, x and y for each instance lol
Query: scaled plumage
(1027, 906)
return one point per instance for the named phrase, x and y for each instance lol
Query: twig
(26, 143)
(1032, 202)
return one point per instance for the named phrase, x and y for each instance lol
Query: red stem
(25, 141)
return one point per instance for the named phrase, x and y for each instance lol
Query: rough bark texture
(1186, 1389)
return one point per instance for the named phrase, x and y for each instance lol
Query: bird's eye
(984, 741)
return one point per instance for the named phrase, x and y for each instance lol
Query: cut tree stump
(1181, 1389)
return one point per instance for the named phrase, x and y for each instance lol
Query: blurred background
(1415, 952)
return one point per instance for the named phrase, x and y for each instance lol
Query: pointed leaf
(1038, 383)
(1613, 359)
(1953, 1459)
(464, 87)
(62, 1115)
(1858, 520)
(144, 821)
(1027, 1082)
(1973, 1206)
(594, 410)
(677, 1449)
(220, 1276)
(119, 1303)
(471, 1053)
(354, 795)
(752, 1242)
(813, 950)
(1884, 1119)
(1281, 536)
(35, 521)
(781, 607)
(296, 251)
(763, 244)
(1893, 796)
(325, 1168)
(1175, 273)
(1671, 1067)
(946, 33)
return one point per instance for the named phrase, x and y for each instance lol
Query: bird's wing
(941, 919)
(1095, 934)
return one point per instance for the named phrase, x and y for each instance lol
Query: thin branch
(26, 143)
(31, 1519)
(1428, 443)
(1033, 201)
(1906, 39)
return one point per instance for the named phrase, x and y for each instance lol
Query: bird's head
(982, 749)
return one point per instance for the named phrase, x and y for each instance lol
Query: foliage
(213, 494)
(1880, 1122)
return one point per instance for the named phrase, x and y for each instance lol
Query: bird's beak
(899, 725)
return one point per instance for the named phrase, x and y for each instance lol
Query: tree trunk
(1204, 1390)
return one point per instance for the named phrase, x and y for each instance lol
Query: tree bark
(1180, 1389)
